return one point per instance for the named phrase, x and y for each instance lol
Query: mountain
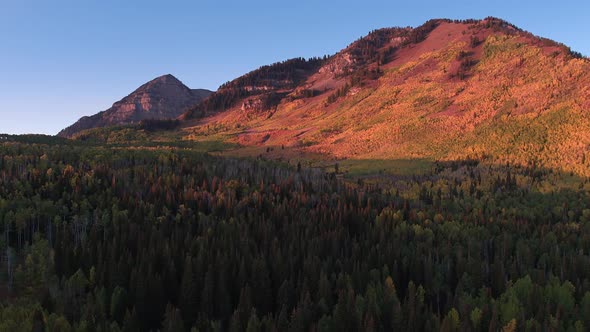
(481, 89)
(164, 97)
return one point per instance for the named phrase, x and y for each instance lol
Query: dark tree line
(157, 124)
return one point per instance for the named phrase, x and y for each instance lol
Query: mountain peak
(164, 97)
(163, 80)
(167, 78)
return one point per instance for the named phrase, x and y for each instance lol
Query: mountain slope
(448, 89)
(261, 89)
(162, 98)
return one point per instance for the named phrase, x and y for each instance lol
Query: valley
(434, 178)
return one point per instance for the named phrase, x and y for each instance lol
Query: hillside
(480, 89)
(164, 97)
(422, 179)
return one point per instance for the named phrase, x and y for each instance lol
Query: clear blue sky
(60, 60)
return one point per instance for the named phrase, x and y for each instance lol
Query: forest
(114, 238)
(283, 75)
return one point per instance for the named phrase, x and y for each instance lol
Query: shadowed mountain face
(162, 98)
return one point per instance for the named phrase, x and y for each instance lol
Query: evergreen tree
(172, 320)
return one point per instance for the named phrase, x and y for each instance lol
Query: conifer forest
(169, 239)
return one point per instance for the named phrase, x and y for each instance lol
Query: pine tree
(118, 304)
(172, 320)
(131, 322)
(253, 323)
(188, 302)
